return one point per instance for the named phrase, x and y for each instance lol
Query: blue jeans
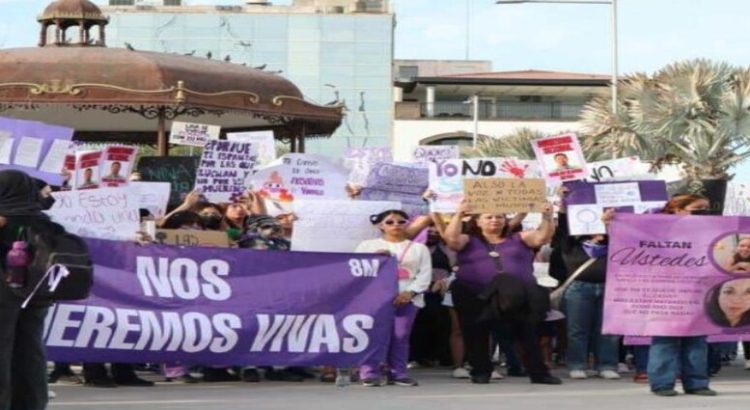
(584, 305)
(640, 357)
(686, 356)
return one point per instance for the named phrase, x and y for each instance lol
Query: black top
(574, 256)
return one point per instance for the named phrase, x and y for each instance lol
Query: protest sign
(664, 280)
(263, 141)
(88, 169)
(110, 213)
(205, 307)
(298, 176)
(152, 196)
(190, 237)
(561, 157)
(224, 169)
(630, 168)
(424, 154)
(404, 183)
(586, 202)
(178, 171)
(446, 178)
(335, 225)
(194, 135)
(360, 161)
(505, 195)
(737, 200)
(35, 148)
(117, 162)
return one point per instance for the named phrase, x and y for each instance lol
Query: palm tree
(518, 145)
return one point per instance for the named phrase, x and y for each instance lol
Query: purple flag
(163, 304)
(671, 275)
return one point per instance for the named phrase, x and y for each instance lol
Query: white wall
(407, 134)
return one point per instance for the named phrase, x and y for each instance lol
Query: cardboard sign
(630, 168)
(178, 171)
(360, 161)
(586, 202)
(561, 157)
(505, 195)
(446, 178)
(152, 196)
(424, 154)
(106, 213)
(195, 135)
(190, 237)
(224, 169)
(117, 162)
(87, 171)
(264, 142)
(335, 225)
(35, 148)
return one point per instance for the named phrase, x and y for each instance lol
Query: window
(173, 2)
(121, 2)
(462, 139)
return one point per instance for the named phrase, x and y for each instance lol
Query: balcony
(500, 111)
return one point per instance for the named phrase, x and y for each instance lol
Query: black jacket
(573, 255)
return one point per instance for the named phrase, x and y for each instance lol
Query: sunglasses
(392, 222)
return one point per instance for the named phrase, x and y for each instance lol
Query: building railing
(565, 111)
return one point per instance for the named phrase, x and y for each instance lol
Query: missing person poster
(561, 157)
(117, 163)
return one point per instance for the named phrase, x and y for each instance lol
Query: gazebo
(125, 95)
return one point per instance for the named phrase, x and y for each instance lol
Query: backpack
(60, 268)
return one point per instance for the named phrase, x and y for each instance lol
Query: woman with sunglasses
(414, 275)
(491, 249)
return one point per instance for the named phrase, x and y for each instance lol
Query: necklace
(493, 253)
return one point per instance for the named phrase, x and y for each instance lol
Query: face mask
(701, 212)
(211, 221)
(46, 202)
(594, 250)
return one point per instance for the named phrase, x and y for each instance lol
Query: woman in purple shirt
(489, 249)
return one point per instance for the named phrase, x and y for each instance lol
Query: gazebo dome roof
(72, 10)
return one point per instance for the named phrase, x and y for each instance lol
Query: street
(437, 391)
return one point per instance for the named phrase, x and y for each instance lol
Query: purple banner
(34, 147)
(671, 275)
(205, 306)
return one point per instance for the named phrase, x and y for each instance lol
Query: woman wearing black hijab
(23, 367)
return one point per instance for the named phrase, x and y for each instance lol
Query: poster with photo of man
(117, 162)
(87, 169)
(561, 157)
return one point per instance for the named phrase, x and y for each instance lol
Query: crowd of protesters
(473, 296)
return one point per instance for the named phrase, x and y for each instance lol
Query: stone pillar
(430, 106)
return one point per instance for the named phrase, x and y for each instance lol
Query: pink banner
(673, 275)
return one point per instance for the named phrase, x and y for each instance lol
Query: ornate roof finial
(65, 14)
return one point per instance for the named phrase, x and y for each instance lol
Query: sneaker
(413, 365)
(609, 375)
(51, 395)
(702, 392)
(665, 392)
(404, 382)
(460, 373)
(747, 364)
(370, 382)
(480, 379)
(548, 379)
(640, 377)
(496, 375)
(578, 375)
(623, 368)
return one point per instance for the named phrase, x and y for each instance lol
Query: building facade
(439, 109)
(335, 51)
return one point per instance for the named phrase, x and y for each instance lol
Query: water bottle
(343, 378)
(17, 263)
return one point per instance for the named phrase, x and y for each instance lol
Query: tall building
(333, 50)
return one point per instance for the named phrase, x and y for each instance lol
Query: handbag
(556, 297)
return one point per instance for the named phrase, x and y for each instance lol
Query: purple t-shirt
(476, 267)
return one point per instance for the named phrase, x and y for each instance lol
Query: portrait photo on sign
(731, 253)
(728, 303)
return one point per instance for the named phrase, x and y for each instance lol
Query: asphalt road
(436, 392)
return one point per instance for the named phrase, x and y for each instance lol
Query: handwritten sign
(335, 225)
(446, 178)
(189, 237)
(630, 168)
(117, 162)
(737, 200)
(264, 142)
(561, 157)
(505, 195)
(584, 210)
(360, 161)
(152, 196)
(34, 147)
(196, 135)
(178, 171)
(107, 213)
(434, 153)
(224, 169)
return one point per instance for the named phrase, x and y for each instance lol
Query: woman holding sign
(495, 262)
(414, 276)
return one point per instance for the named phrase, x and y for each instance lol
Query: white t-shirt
(416, 259)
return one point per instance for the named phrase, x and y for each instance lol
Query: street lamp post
(613, 4)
